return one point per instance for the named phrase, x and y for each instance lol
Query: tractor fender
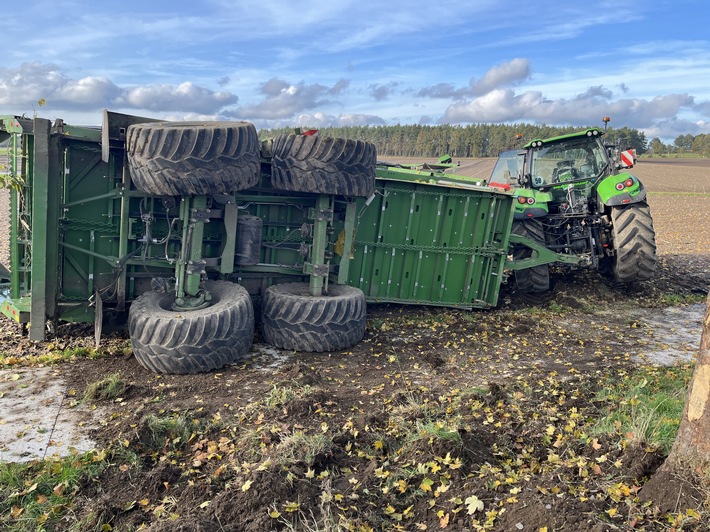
(530, 203)
(620, 189)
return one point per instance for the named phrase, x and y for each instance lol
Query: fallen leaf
(473, 505)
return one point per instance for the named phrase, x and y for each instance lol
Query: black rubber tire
(196, 341)
(634, 243)
(537, 278)
(193, 158)
(323, 165)
(293, 319)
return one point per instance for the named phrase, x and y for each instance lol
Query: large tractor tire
(195, 341)
(193, 158)
(323, 165)
(634, 243)
(537, 278)
(293, 319)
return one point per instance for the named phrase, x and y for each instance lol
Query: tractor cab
(567, 159)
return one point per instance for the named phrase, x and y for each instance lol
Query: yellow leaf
(291, 506)
(100, 456)
(444, 521)
(441, 489)
(16, 511)
(310, 473)
(692, 513)
(274, 514)
(611, 512)
(426, 484)
(246, 485)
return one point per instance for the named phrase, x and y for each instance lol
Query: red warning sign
(627, 158)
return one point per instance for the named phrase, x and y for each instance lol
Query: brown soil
(433, 407)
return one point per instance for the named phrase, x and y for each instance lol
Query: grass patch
(674, 300)
(170, 432)
(300, 447)
(52, 357)
(647, 406)
(108, 388)
(34, 496)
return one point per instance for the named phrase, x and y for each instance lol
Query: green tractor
(575, 196)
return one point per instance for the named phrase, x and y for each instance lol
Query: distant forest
(489, 140)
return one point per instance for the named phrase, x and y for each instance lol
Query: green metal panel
(432, 244)
(88, 231)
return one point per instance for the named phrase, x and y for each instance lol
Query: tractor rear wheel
(193, 158)
(537, 278)
(634, 243)
(293, 319)
(323, 165)
(169, 341)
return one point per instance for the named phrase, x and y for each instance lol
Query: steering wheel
(565, 168)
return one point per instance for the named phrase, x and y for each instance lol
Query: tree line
(683, 144)
(474, 140)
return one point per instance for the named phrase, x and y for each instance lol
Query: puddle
(38, 419)
(267, 357)
(673, 333)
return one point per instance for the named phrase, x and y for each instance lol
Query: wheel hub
(186, 303)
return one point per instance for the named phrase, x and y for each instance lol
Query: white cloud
(22, 87)
(324, 120)
(283, 100)
(505, 74)
(184, 97)
(505, 105)
(382, 91)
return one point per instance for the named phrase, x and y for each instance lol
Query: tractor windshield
(576, 159)
(507, 169)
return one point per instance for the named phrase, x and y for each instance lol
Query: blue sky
(329, 62)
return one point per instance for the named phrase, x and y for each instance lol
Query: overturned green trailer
(189, 225)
